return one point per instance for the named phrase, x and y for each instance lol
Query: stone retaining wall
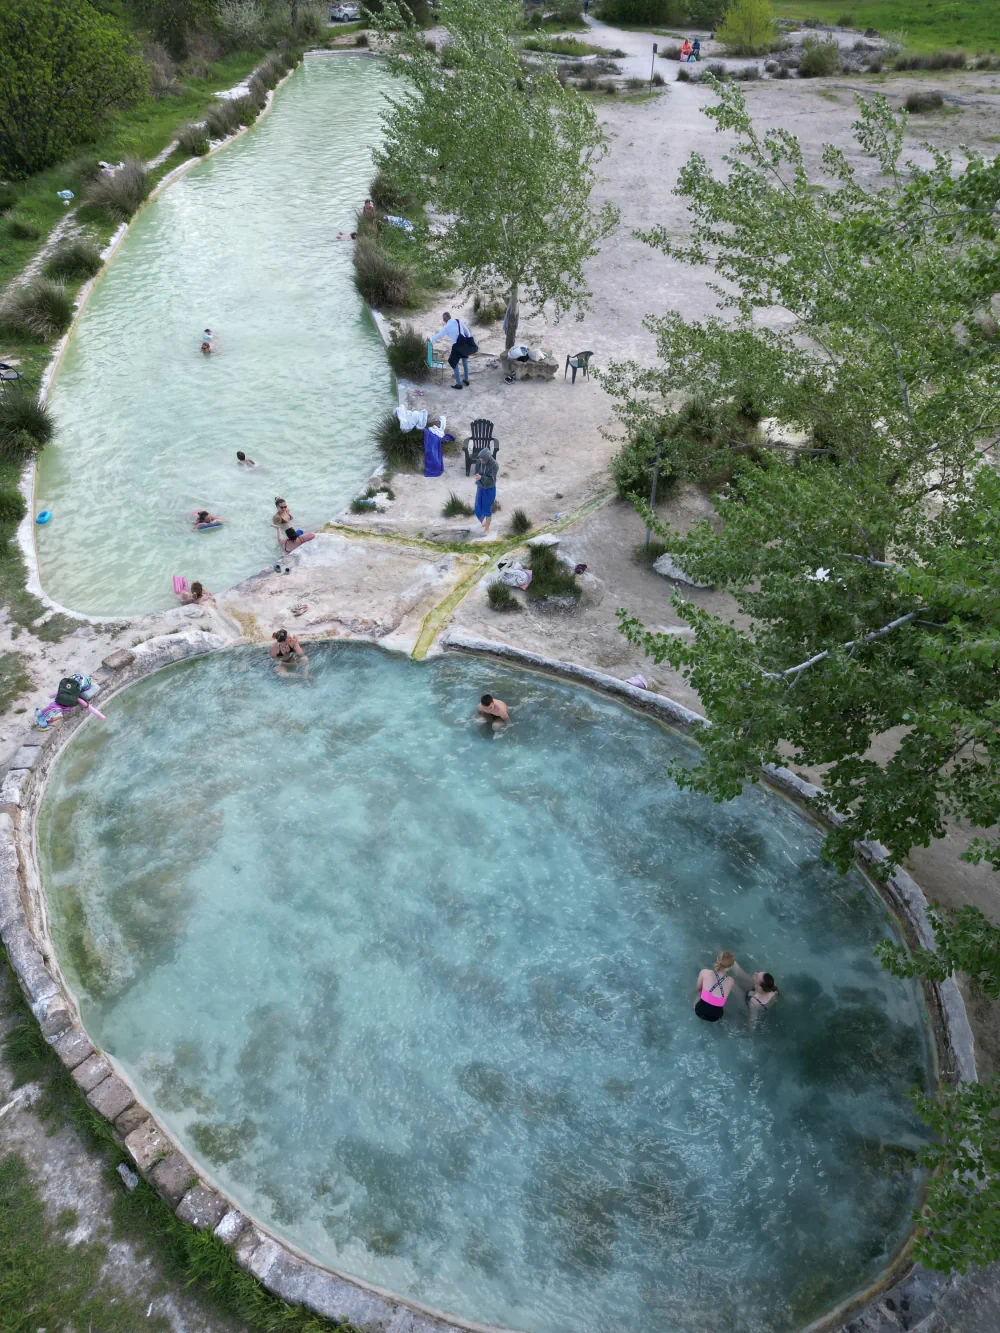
(285, 1273)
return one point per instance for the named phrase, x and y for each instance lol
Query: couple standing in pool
(715, 986)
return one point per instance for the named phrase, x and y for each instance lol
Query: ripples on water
(148, 428)
(421, 999)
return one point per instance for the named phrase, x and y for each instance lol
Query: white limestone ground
(553, 461)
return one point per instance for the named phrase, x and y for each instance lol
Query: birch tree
(507, 158)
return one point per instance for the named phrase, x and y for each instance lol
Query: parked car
(344, 13)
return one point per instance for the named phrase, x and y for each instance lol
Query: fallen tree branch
(851, 644)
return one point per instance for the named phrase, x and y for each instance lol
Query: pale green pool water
(148, 428)
(421, 999)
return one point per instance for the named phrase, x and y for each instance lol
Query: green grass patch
(500, 597)
(644, 554)
(549, 576)
(14, 681)
(969, 24)
(456, 507)
(562, 46)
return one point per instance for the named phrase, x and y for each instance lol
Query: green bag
(68, 693)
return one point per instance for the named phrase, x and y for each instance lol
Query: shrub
(455, 506)
(588, 84)
(194, 141)
(241, 22)
(312, 22)
(361, 39)
(818, 59)
(747, 28)
(933, 60)
(120, 195)
(386, 195)
(706, 13)
(771, 66)
(22, 228)
(271, 70)
(684, 75)
(84, 169)
(927, 101)
(783, 73)
(717, 68)
(161, 71)
(246, 109)
(399, 449)
(380, 279)
(8, 197)
(63, 67)
(500, 597)
(847, 20)
(874, 64)
(12, 507)
(646, 13)
(40, 309)
(610, 87)
(488, 309)
(658, 80)
(258, 92)
(407, 353)
(632, 469)
(671, 51)
(25, 423)
(747, 74)
(635, 84)
(74, 259)
(363, 504)
(520, 523)
(616, 53)
(549, 576)
(647, 553)
(431, 45)
(223, 117)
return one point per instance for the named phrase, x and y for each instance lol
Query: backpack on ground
(68, 693)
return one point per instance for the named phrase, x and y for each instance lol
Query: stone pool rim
(25, 533)
(283, 1270)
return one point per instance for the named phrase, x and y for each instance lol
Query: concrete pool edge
(282, 1269)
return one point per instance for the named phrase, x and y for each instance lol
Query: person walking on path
(486, 487)
(714, 987)
(463, 345)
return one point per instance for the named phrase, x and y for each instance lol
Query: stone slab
(247, 1243)
(73, 1047)
(146, 1143)
(27, 756)
(118, 660)
(14, 785)
(53, 1015)
(11, 909)
(668, 567)
(26, 960)
(111, 1097)
(202, 1207)
(172, 1177)
(129, 1179)
(130, 1119)
(95, 1069)
(231, 1227)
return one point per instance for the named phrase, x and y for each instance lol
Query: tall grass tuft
(455, 507)
(25, 424)
(121, 195)
(924, 101)
(12, 507)
(258, 92)
(8, 197)
(549, 576)
(407, 353)
(74, 259)
(500, 597)
(40, 309)
(361, 39)
(520, 523)
(193, 140)
(378, 277)
(819, 59)
(386, 195)
(400, 449)
(21, 228)
(224, 117)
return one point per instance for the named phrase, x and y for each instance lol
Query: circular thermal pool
(419, 997)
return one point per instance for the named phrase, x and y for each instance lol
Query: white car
(344, 13)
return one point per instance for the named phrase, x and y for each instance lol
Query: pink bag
(180, 584)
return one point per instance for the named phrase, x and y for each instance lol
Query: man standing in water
(492, 710)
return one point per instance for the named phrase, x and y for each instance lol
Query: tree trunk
(295, 17)
(510, 319)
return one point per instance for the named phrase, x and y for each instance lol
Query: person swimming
(195, 595)
(207, 338)
(762, 994)
(204, 519)
(243, 461)
(293, 539)
(492, 710)
(714, 986)
(282, 516)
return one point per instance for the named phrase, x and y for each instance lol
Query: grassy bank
(47, 1282)
(967, 25)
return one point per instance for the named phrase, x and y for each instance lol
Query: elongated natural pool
(420, 997)
(148, 427)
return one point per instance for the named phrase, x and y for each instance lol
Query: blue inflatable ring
(44, 516)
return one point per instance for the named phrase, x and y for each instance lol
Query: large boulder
(670, 570)
(532, 370)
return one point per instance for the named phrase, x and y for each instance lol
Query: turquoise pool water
(420, 997)
(148, 428)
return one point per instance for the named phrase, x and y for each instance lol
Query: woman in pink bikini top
(714, 986)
